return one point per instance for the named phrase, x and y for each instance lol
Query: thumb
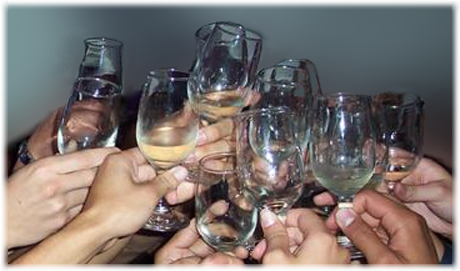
(168, 181)
(274, 231)
(362, 235)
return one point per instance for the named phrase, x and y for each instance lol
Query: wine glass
(269, 157)
(220, 82)
(166, 133)
(90, 118)
(403, 114)
(103, 59)
(289, 85)
(342, 148)
(225, 214)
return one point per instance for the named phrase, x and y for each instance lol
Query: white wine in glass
(166, 134)
(342, 148)
(224, 70)
(403, 133)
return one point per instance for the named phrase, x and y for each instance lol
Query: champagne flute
(220, 82)
(225, 213)
(403, 114)
(269, 158)
(342, 148)
(166, 133)
(90, 118)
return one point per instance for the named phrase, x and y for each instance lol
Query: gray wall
(356, 49)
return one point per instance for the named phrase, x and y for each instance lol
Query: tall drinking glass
(91, 116)
(103, 59)
(269, 158)
(166, 134)
(342, 148)
(220, 82)
(225, 214)
(403, 113)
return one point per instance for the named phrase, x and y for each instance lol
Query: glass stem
(162, 207)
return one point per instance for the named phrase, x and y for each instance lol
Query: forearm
(76, 243)
(111, 250)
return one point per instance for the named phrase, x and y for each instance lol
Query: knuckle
(51, 189)
(58, 205)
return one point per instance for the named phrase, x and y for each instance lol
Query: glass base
(356, 254)
(169, 221)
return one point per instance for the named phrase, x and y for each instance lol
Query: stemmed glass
(342, 148)
(224, 71)
(403, 114)
(225, 213)
(90, 118)
(269, 158)
(166, 133)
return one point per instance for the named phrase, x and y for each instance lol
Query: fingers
(78, 160)
(215, 132)
(324, 199)
(223, 145)
(275, 233)
(185, 237)
(432, 191)
(390, 213)
(167, 181)
(363, 237)
(145, 173)
(183, 192)
(77, 180)
(306, 220)
(220, 258)
(136, 154)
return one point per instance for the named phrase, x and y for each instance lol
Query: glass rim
(182, 76)
(342, 95)
(250, 34)
(213, 156)
(103, 41)
(265, 112)
(260, 76)
(410, 99)
(115, 88)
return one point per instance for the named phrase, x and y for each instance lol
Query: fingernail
(345, 217)
(201, 138)
(180, 173)
(267, 218)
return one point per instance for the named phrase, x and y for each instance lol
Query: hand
(385, 231)
(186, 247)
(126, 186)
(428, 192)
(303, 240)
(217, 137)
(46, 194)
(42, 143)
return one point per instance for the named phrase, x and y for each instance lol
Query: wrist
(95, 226)
(24, 154)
